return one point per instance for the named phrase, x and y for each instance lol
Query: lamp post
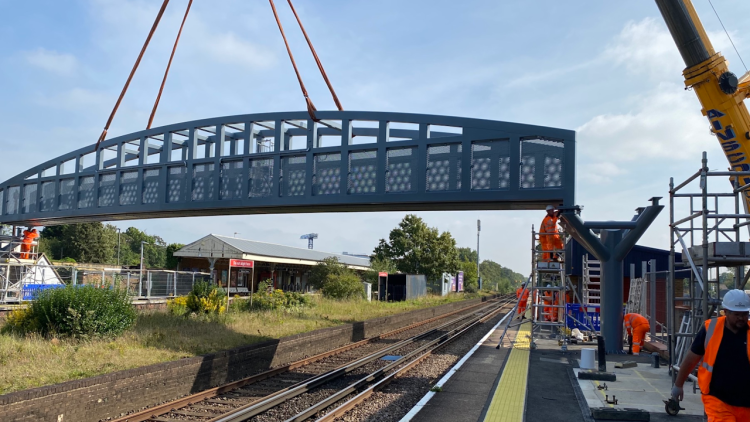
(118, 246)
(140, 284)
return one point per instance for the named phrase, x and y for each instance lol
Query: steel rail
(252, 409)
(161, 409)
(363, 395)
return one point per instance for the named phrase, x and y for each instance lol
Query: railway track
(305, 388)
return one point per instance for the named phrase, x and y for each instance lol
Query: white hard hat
(549, 285)
(736, 300)
(549, 207)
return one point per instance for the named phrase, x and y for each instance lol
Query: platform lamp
(479, 279)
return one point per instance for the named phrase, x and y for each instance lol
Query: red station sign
(241, 263)
(382, 274)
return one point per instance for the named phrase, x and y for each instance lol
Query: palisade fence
(19, 282)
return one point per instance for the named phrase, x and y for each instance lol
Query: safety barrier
(576, 316)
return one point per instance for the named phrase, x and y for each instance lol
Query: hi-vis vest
(714, 334)
(549, 225)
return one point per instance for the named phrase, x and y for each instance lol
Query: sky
(608, 70)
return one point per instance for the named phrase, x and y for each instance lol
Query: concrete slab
(642, 387)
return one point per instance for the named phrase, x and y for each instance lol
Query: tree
(378, 265)
(727, 278)
(323, 271)
(172, 260)
(471, 283)
(418, 249)
(467, 254)
(498, 278)
(85, 242)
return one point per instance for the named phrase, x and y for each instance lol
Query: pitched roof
(253, 247)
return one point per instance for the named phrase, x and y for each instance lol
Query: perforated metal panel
(261, 178)
(541, 163)
(14, 200)
(490, 165)
(444, 167)
(292, 179)
(128, 187)
(67, 194)
(363, 172)
(231, 180)
(176, 182)
(401, 174)
(48, 197)
(203, 182)
(86, 192)
(29, 198)
(107, 190)
(151, 188)
(327, 174)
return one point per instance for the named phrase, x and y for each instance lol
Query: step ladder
(592, 275)
(636, 297)
(549, 286)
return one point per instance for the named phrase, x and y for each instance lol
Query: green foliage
(268, 298)
(171, 260)
(498, 278)
(378, 265)
(467, 254)
(727, 278)
(98, 243)
(471, 283)
(75, 311)
(344, 286)
(322, 271)
(206, 298)
(416, 248)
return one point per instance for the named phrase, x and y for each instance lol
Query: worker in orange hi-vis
(29, 236)
(549, 237)
(523, 297)
(723, 345)
(637, 326)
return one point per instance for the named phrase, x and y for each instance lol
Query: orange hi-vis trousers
(718, 411)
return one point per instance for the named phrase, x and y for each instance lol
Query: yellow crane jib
(719, 91)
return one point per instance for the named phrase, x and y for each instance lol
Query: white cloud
(228, 48)
(645, 47)
(600, 172)
(52, 61)
(665, 124)
(77, 99)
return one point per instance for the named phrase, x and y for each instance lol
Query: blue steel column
(612, 294)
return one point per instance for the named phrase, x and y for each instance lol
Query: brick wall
(107, 396)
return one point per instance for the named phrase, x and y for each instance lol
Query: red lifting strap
(169, 64)
(310, 106)
(132, 72)
(317, 60)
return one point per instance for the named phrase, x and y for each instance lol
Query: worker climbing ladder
(549, 286)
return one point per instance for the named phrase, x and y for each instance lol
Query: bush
(268, 298)
(75, 311)
(205, 299)
(343, 286)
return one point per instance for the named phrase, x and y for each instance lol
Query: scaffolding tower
(710, 239)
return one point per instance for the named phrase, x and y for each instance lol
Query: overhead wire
(169, 64)
(727, 32)
(132, 72)
(317, 59)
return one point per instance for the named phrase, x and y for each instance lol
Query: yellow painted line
(509, 399)
(602, 393)
(649, 383)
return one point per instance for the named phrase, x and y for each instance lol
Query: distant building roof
(216, 246)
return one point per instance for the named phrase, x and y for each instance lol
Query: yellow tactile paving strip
(509, 399)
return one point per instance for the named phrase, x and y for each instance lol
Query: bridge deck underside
(288, 163)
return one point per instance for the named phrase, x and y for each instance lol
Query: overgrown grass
(158, 336)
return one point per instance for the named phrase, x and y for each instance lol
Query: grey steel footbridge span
(288, 163)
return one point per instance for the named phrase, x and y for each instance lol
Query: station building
(255, 261)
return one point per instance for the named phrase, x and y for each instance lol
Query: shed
(402, 286)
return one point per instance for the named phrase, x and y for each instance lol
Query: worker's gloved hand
(677, 393)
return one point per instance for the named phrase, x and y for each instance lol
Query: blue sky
(608, 70)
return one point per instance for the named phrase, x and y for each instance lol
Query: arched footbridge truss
(288, 163)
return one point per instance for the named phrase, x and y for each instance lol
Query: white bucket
(587, 359)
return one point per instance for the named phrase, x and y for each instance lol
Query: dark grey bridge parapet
(285, 162)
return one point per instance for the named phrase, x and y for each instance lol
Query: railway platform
(515, 383)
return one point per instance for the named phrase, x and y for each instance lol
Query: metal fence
(15, 279)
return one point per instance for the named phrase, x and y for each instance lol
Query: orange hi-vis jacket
(714, 334)
(634, 320)
(549, 225)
